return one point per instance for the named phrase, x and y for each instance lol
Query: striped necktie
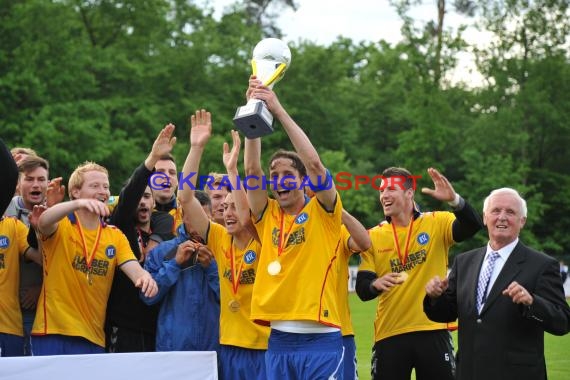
(484, 278)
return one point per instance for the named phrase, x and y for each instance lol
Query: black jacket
(506, 341)
(124, 307)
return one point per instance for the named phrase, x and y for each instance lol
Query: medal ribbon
(282, 244)
(397, 244)
(88, 256)
(235, 276)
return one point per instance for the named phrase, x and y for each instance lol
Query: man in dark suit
(506, 295)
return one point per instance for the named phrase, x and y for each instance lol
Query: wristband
(455, 202)
(327, 183)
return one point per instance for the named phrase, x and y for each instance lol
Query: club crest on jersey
(423, 238)
(302, 218)
(4, 241)
(249, 257)
(110, 251)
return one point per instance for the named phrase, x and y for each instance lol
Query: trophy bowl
(270, 58)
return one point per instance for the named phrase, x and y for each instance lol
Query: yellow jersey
(400, 310)
(303, 248)
(236, 328)
(13, 243)
(74, 295)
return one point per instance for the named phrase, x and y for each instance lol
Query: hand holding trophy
(271, 57)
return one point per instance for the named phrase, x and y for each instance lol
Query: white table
(198, 365)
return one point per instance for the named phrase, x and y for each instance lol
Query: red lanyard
(280, 244)
(88, 256)
(236, 276)
(397, 244)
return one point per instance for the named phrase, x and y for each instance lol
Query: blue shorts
(54, 344)
(11, 345)
(350, 368)
(239, 363)
(304, 356)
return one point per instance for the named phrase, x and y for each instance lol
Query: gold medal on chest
(234, 306)
(274, 268)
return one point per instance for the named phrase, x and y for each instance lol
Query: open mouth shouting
(36, 196)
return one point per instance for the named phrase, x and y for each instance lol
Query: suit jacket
(506, 341)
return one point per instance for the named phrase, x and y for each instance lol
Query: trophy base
(254, 119)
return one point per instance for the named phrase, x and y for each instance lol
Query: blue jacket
(189, 316)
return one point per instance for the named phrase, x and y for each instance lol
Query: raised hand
(164, 141)
(95, 206)
(230, 157)
(266, 94)
(55, 192)
(201, 128)
(443, 190)
(253, 84)
(34, 217)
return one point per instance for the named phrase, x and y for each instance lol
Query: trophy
(271, 57)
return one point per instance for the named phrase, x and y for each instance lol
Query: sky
(322, 21)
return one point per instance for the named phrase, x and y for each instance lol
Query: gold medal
(402, 277)
(234, 306)
(274, 268)
(88, 256)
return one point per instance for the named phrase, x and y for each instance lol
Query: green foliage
(96, 80)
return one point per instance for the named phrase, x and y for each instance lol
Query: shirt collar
(415, 215)
(504, 252)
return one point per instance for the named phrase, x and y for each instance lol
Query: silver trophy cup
(271, 57)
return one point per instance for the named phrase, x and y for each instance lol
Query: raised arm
(256, 193)
(359, 238)
(50, 218)
(468, 221)
(134, 189)
(195, 219)
(316, 171)
(230, 158)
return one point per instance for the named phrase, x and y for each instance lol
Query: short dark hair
(293, 156)
(30, 163)
(203, 198)
(402, 173)
(167, 157)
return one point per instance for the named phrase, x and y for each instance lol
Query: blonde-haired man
(80, 256)
(217, 189)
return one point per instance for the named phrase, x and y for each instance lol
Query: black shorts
(120, 339)
(429, 352)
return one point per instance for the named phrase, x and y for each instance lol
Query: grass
(557, 349)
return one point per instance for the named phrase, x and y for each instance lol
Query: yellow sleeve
(22, 236)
